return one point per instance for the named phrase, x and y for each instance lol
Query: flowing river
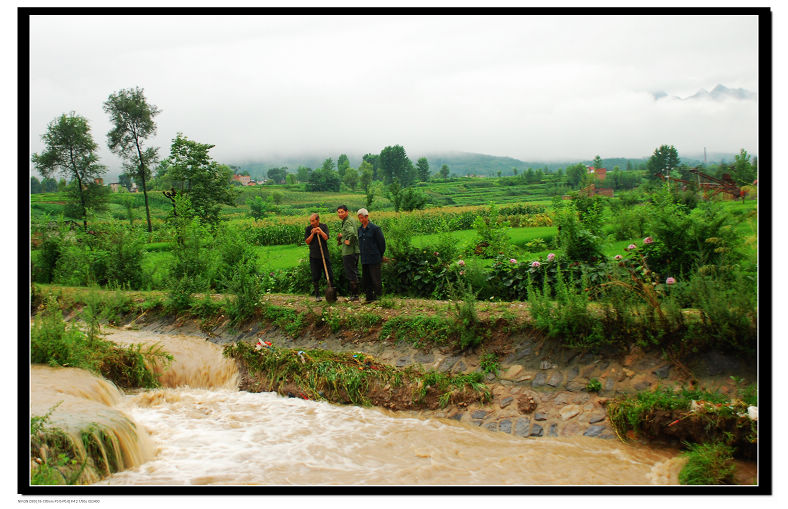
(199, 429)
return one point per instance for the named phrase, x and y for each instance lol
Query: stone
(505, 402)
(572, 374)
(609, 384)
(521, 427)
(402, 361)
(561, 399)
(479, 414)
(539, 379)
(424, 358)
(569, 411)
(447, 363)
(489, 377)
(642, 385)
(539, 416)
(596, 418)
(526, 403)
(553, 430)
(555, 379)
(515, 356)
(505, 426)
(537, 431)
(662, 371)
(492, 426)
(628, 372)
(576, 386)
(459, 367)
(457, 416)
(545, 365)
(594, 431)
(476, 422)
(513, 373)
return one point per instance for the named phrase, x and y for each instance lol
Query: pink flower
(436, 253)
(648, 240)
(535, 264)
(461, 263)
(631, 247)
(550, 257)
(512, 260)
(462, 272)
(618, 257)
(670, 281)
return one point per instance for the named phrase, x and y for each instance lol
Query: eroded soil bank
(540, 388)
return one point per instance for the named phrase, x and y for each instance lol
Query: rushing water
(200, 430)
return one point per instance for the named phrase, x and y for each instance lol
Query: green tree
(664, 160)
(49, 185)
(70, 150)
(374, 161)
(343, 163)
(35, 186)
(207, 183)
(575, 174)
(260, 208)
(303, 173)
(423, 169)
(132, 120)
(444, 171)
(396, 167)
(324, 179)
(278, 175)
(328, 164)
(351, 178)
(597, 162)
(366, 175)
(743, 171)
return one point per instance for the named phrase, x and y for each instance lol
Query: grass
(708, 464)
(344, 377)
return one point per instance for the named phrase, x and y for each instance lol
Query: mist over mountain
(718, 93)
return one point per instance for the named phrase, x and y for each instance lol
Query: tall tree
(664, 160)
(351, 178)
(423, 169)
(35, 186)
(744, 172)
(575, 174)
(343, 163)
(444, 171)
(597, 162)
(396, 166)
(70, 150)
(278, 175)
(49, 185)
(194, 173)
(365, 175)
(132, 118)
(374, 161)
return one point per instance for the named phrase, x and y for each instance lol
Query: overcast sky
(531, 87)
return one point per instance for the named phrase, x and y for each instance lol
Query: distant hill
(718, 93)
(469, 163)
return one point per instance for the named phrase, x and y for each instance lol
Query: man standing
(348, 239)
(316, 228)
(372, 245)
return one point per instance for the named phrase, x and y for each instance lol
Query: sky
(536, 88)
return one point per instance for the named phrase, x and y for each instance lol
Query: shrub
(708, 464)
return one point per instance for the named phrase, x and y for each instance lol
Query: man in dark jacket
(316, 228)
(372, 246)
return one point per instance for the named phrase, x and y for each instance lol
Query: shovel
(331, 293)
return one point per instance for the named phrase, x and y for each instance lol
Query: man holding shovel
(318, 229)
(348, 239)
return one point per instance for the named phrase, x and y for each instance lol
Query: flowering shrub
(508, 280)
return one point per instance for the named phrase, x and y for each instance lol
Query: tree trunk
(81, 195)
(144, 190)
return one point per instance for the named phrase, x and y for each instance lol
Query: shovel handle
(322, 256)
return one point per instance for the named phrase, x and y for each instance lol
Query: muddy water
(200, 430)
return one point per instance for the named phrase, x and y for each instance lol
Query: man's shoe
(318, 298)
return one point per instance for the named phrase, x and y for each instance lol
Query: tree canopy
(192, 171)
(664, 160)
(69, 149)
(132, 120)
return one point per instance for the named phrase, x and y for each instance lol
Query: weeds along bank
(481, 363)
